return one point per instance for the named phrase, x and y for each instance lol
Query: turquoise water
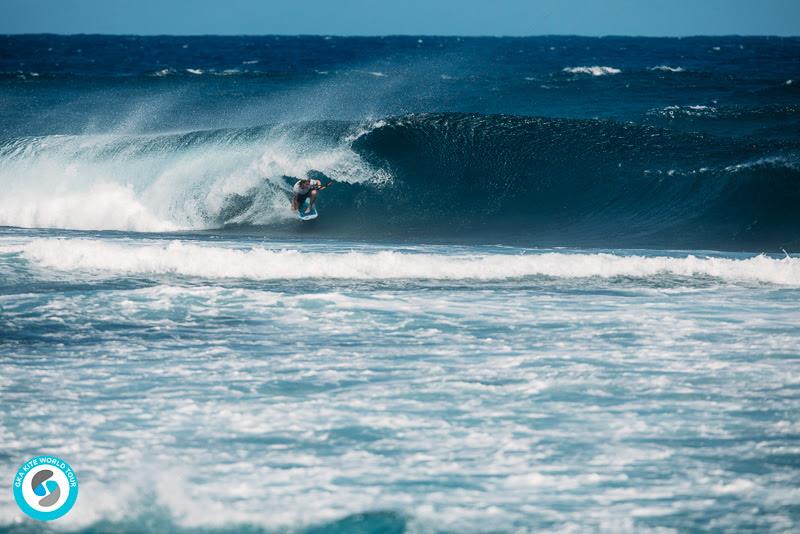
(229, 382)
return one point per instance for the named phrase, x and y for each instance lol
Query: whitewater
(554, 287)
(150, 183)
(435, 263)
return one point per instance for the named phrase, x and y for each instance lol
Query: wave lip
(259, 263)
(596, 70)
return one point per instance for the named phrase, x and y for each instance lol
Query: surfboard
(311, 215)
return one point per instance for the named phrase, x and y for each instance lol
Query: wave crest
(259, 263)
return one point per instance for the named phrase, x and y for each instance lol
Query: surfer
(306, 188)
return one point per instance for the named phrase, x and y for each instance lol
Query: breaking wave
(171, 182)
(259, 263)
(494, 178)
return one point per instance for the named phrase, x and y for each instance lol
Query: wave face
(586, 179)
(501, 178)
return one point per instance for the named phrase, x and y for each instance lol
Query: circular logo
(45, 487)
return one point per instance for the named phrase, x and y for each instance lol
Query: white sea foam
(667, 68)
(259, 263)
(771, 161)
(101, 205)
(120, 182)
(737, 486)
(593, 70)
(695, 110)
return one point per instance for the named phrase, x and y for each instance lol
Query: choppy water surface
(605, 393)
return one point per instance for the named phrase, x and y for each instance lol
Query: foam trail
(259, 263)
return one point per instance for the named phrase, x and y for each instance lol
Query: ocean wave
(593, 70)
(534, 180)
(259, 263)
(561, 178)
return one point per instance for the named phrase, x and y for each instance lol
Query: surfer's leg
(313, 197)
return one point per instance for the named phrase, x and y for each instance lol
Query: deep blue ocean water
(555, 286)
